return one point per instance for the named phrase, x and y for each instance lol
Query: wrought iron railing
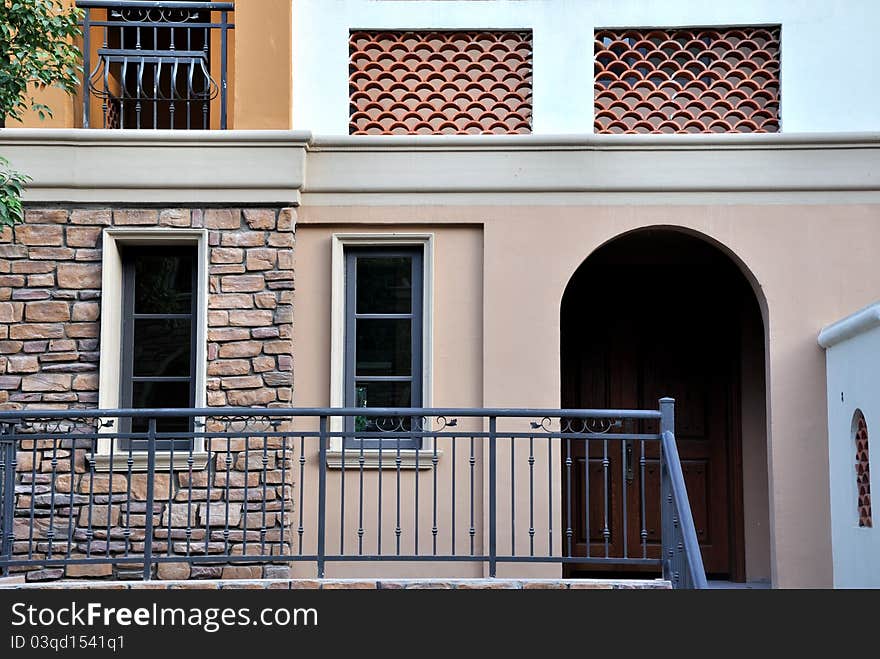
(156, 64)
(140, 491)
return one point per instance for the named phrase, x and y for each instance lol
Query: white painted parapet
(852, 353)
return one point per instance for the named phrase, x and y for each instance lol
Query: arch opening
(660, 312)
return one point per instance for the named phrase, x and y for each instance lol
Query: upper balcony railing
(155, 64)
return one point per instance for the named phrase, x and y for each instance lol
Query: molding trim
(858, 323)
(158, 167)
(409, 458)
(119, 462)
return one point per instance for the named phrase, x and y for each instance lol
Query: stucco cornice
(853, 325)
(161, 167)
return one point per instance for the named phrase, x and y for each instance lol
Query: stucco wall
(818, 94)
(526, 266)
(853, 383)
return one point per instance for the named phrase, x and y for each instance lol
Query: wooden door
(683, 345)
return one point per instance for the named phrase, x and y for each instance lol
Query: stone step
(353, 584)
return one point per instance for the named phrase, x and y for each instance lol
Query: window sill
(409, 458)
(119, 461)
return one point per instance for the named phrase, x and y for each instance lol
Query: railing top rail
(141, 4)
(332, 411)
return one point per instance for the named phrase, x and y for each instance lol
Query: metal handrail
(682, 559)
(64, 517)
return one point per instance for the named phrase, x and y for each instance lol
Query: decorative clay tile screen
(863, 469)
(687, 80)
(452, 82)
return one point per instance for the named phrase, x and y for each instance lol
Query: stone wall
(50, 302)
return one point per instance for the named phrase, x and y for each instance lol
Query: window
(697, 80)
(153, 345)
(383, 335)
(159, 314)
(440, 82)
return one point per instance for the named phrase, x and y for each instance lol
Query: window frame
(127, 377)
(410, 458)
(352, 315)
(114, 240)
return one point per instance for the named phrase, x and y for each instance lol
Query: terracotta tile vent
(687, 80)
(863, 469)
(446, 82)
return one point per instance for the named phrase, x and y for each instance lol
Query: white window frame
(111, 342)
(410, 458)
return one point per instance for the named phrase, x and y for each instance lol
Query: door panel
(682, 345)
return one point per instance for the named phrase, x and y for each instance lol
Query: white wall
(830, 81)
(853, 371)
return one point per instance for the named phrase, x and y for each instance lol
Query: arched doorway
(659, 312)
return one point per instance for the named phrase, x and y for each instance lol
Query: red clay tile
(449, 82)
(687, 80)
(863, 470)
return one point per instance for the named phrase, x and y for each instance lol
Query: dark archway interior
(662, 313)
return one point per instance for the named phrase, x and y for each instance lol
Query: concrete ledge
(158, 167)
(351, 584)
(858, 323)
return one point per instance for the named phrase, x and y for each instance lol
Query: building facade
(532, 204)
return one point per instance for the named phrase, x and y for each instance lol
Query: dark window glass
(384, 284)
(159, 315)
(383, 329)
(163, 283)
(162, 347)
(384, 346)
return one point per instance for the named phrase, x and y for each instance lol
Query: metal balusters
(550, 495)
(189, 497)
(212, 472)
(224, 36)
(453, 500)
(151, 494)
(512, 499)
(168, 539)
(493, 493)
(472, 531)
(53, 506)
(33, 499)
(644, 531)
(245, 504)
(531, 495)
(434, 460)
(587, 534)
(129, 464)
(263, 529)
(360, 531)
(322, 493)
(416, 507)
(300, 529)
(397, 529)
(568, 528)
(342, 480)
(50, 534)
(228, 449)
(379, 509)
(606, 531)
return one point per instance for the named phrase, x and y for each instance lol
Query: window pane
(162, 347)
(384, 347)
(384, 284)
(383, 394)
(160, 394)
(163, 282)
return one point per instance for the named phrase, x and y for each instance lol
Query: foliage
(38, 46)
(11, 184)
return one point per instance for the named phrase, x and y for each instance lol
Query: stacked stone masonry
(50, 302)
